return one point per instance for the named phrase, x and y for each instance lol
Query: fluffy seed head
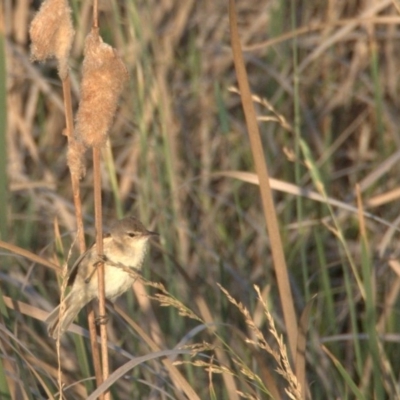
(76, 158)
(52, 33)
(104, 75)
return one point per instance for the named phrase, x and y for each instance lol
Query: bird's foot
(101, 259)
(102, 320)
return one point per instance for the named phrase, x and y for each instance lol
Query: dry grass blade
(31, 256)
(265, 189)
(290, 188)
(25, 308)
(180, 382)
(121, 371)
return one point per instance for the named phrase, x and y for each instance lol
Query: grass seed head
(52, 32)
(76, 158)
(104, 76)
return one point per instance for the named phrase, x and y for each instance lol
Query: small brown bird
(125, 246)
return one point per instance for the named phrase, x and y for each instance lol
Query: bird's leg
(102, 320)
(100, 259)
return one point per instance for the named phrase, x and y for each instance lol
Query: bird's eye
(131, 234)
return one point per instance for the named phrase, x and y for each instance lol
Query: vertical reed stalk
(99, 241)
(100, 268)
(66, 83)
(278, 256)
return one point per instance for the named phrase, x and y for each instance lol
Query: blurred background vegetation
(330, 69)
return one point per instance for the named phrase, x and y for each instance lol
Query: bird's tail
(56, 326)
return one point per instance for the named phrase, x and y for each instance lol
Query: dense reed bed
(209, 318)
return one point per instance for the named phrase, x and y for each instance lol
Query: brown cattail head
(104, 75)
(52, 33)
(76, 158)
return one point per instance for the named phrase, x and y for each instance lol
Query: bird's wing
(74, 269)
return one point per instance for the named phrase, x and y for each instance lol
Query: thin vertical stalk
(99, 241)
(66, 83)
(297, 164)
(278, 255)
(95, 14)
(100, 268)
(3, 132)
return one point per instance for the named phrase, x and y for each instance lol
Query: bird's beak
(150, 233)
